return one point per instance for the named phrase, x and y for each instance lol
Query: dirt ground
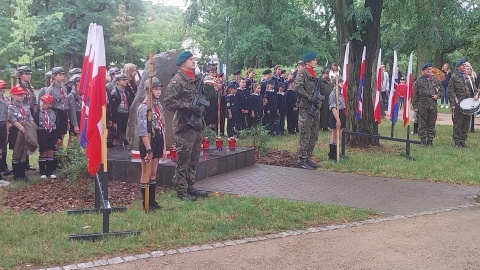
(442, 241)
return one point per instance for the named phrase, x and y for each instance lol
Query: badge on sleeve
(173, 82)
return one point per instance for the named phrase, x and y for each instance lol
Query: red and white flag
(391, 102)
(406, 102)
(345, 76)
(96, 101)
(85, 81)
(377, 113)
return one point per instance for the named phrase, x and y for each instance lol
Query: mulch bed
(60, 195)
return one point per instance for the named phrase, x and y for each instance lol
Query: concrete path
(448, 240)
(385, 195)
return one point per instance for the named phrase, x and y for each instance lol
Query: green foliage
(259, 137)
(208, 132)
(72, 162)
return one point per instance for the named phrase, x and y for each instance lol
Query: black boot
(302, 164)
(313, 164)
(197, 193)
(424, 142)
(27, 165)
(21, 167)
(50, 171)
(185, 196)
(142, 190)
(16, 170)
(430, 142)
(42, 164)
(3, 161)
(332, 155)
(151, 201)
(458, 144)
(415, 128)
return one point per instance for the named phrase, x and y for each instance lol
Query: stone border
(161, 253)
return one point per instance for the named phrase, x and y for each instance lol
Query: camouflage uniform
(307, 125)
(422, 100)
(178, 98)
(327, 88)
(459, 88)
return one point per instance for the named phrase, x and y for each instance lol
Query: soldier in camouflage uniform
(460, 87)
(427, 89)
(179, 95)
(308, 125)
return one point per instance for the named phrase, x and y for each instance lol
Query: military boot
(464, 145)
(185, 196)
(313, 164)
(151, 196)
(302, 164)
(430, 142)
(424, 142)
(22, 166)
(197, 193)
(458, 144)
(332, 155)
(415, 128)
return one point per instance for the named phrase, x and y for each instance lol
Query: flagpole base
(99, 236)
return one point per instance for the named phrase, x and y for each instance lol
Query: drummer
(427, 90)
(460, 87)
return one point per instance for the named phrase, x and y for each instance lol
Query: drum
(469, 106)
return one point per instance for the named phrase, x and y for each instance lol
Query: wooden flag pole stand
(148, 165)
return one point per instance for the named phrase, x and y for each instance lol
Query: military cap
(282, 85)
(183, 56)
(3, 84)
(47, 99)
(236, 72)
(270, 81)
(232, 85)
(460, 62)
(113, 70)
(300, 63)
(74, 71)
(309, 56)
(267, 71)
(121, 76)
(291, 81)
(156, 82)
(23, 69)
(57, 70)
(17, 90)
(48, 75)
(75, 78)
(426, 65)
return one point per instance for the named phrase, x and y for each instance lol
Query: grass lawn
(443, 162)
(42, 240)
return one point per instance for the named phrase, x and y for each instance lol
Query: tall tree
(359, 23)
(123, 25)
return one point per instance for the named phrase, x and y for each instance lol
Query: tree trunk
(370, 37)
(438, 59)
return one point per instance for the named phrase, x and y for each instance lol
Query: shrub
(259, 136)
(72, 162)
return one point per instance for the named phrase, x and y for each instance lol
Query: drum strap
(471, 84)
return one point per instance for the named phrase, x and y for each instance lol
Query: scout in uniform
(120, 101)
(427, 90)
(232, 109)
(270, 110)
(281, 108)
(337, 120)
(3, 128)
(48, 137)
(255, 106)
(267, 75)
(242, 97)
(308, 125)
(151, 150)
(22, 132)
(60, 101)
(179, 96)
(75, 100)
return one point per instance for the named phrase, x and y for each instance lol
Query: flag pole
(148, 165)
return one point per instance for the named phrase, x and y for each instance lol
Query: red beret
(47, 99)
(17, 90)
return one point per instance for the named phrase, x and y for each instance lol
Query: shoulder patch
(173, 82)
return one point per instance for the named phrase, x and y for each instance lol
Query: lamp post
(227, 19)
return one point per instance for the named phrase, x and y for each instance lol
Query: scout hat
(17, 90)
(47, 99)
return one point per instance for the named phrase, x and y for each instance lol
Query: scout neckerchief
(158, 123)
(46, 121)
(311, 71)
(62, 92)
(22, 111)
(27, 93)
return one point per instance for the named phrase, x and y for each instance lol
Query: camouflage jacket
(423, 89)
(178, 98)
(304, 87)
(459, 88)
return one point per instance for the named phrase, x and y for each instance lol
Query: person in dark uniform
(326, 90)
(154, 149)
(237, 76)
(130, 70)
(270, 110)
(292, 109)
(112, 72)
(120, 102)
(232, 109)
(281, 108)
(267, 75)
(71, 73)
(250, 80)
(242, 97)
(48, 82)
(255, 106)
(75, 100)
(178, 99)
(47, 136)
(223, 103)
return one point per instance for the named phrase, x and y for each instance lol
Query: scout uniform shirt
(47, 119)
(30, 99)
(75, 106)
(332, 101)
(17, 112)
(157, 119)
(4, 103)
(59, 94)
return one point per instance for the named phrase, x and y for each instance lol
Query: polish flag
(377, 114)
(406, 107)
(84, 84)
(393, 97)
(345, 76)
(361, 84)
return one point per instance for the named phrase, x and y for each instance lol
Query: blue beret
(236, 72)
(426, 65)
(309, 56)
(270, 81)
(232, 85)
(461, 61)
(266, 71)
(183, 56)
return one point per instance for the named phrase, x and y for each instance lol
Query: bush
(259, 136)
(210, 133)
(72, 162)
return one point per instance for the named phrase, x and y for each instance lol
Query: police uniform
(308, 125)
(424, 88)
(178, 98)
(460, 88)
(60, 103)
(292, 114)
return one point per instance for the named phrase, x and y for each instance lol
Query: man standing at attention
(307, 125)
(188, 136)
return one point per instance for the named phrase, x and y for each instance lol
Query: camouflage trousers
(188, 153)
(308, 127)
(461, 124)
(426, 117)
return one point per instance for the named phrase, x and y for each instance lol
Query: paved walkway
(386, 195)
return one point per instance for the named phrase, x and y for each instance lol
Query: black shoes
(185, 196)
(312, 164)
(304, 165)
(461, 145)
(197, 193)
(464, 145)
